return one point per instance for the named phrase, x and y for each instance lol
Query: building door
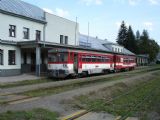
(76, 63)
(33, 62)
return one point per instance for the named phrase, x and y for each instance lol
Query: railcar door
(76, 62)
(114, 60)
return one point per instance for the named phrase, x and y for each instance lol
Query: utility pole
(76, 33)
(88, 33)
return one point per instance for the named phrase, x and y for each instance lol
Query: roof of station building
(20, 8)
(99, 44)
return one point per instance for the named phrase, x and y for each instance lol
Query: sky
(105, 16)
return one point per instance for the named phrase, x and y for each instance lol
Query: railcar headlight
(65, 66)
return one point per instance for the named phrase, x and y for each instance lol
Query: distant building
(158, 58)
(142, 59)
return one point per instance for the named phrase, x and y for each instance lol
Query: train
(65, 62)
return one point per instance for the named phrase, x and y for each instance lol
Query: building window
(115, 49)
(63, 39)
(66, 39)
(12, 31)
(112, 48)
(25, 33)
(11, 57)
(1, 57)
(38, 35)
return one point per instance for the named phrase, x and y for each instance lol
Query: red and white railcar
(124, 62)
(62, 62)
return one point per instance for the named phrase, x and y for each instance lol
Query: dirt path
(53, 102)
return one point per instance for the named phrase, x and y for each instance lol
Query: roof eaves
(7, 42)
(22, 16)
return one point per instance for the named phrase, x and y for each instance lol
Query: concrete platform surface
(97, 116)
(18, 78)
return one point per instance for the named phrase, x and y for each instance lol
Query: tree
(122, 35)
(153, 49)
(148, 46)
(130, 41)
(138, 35)
(144, 42)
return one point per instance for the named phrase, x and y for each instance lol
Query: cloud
(148, 25)
(133, 2)
(90, 2)
(154, 2)
(130, 2)
(98, 2)
(62, 13)
(48, 10)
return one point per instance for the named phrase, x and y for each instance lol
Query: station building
(26, 33)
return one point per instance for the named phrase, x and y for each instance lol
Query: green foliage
(36, 114)
(131, 41)
(139, 43)
(122, 35)
(148, 46)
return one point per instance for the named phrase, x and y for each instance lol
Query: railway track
(124, 117)
(145, 98)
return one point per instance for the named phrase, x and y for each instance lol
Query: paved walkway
(18, 78)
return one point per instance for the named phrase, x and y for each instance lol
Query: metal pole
(76, 33)
(88, 34)
(38, 58)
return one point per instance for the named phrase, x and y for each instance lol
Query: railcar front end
(59, 64)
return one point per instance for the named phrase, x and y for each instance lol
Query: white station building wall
(57, 26)
(20, 23)
(5, 65)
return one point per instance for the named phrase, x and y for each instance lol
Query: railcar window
(58, 57)
(88, 59)
(63, 57)
(52, 58)
(83, 59)
(94, 59)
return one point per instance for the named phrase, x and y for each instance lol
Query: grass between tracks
(36, 114)
(137, 100)
(59, 89)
